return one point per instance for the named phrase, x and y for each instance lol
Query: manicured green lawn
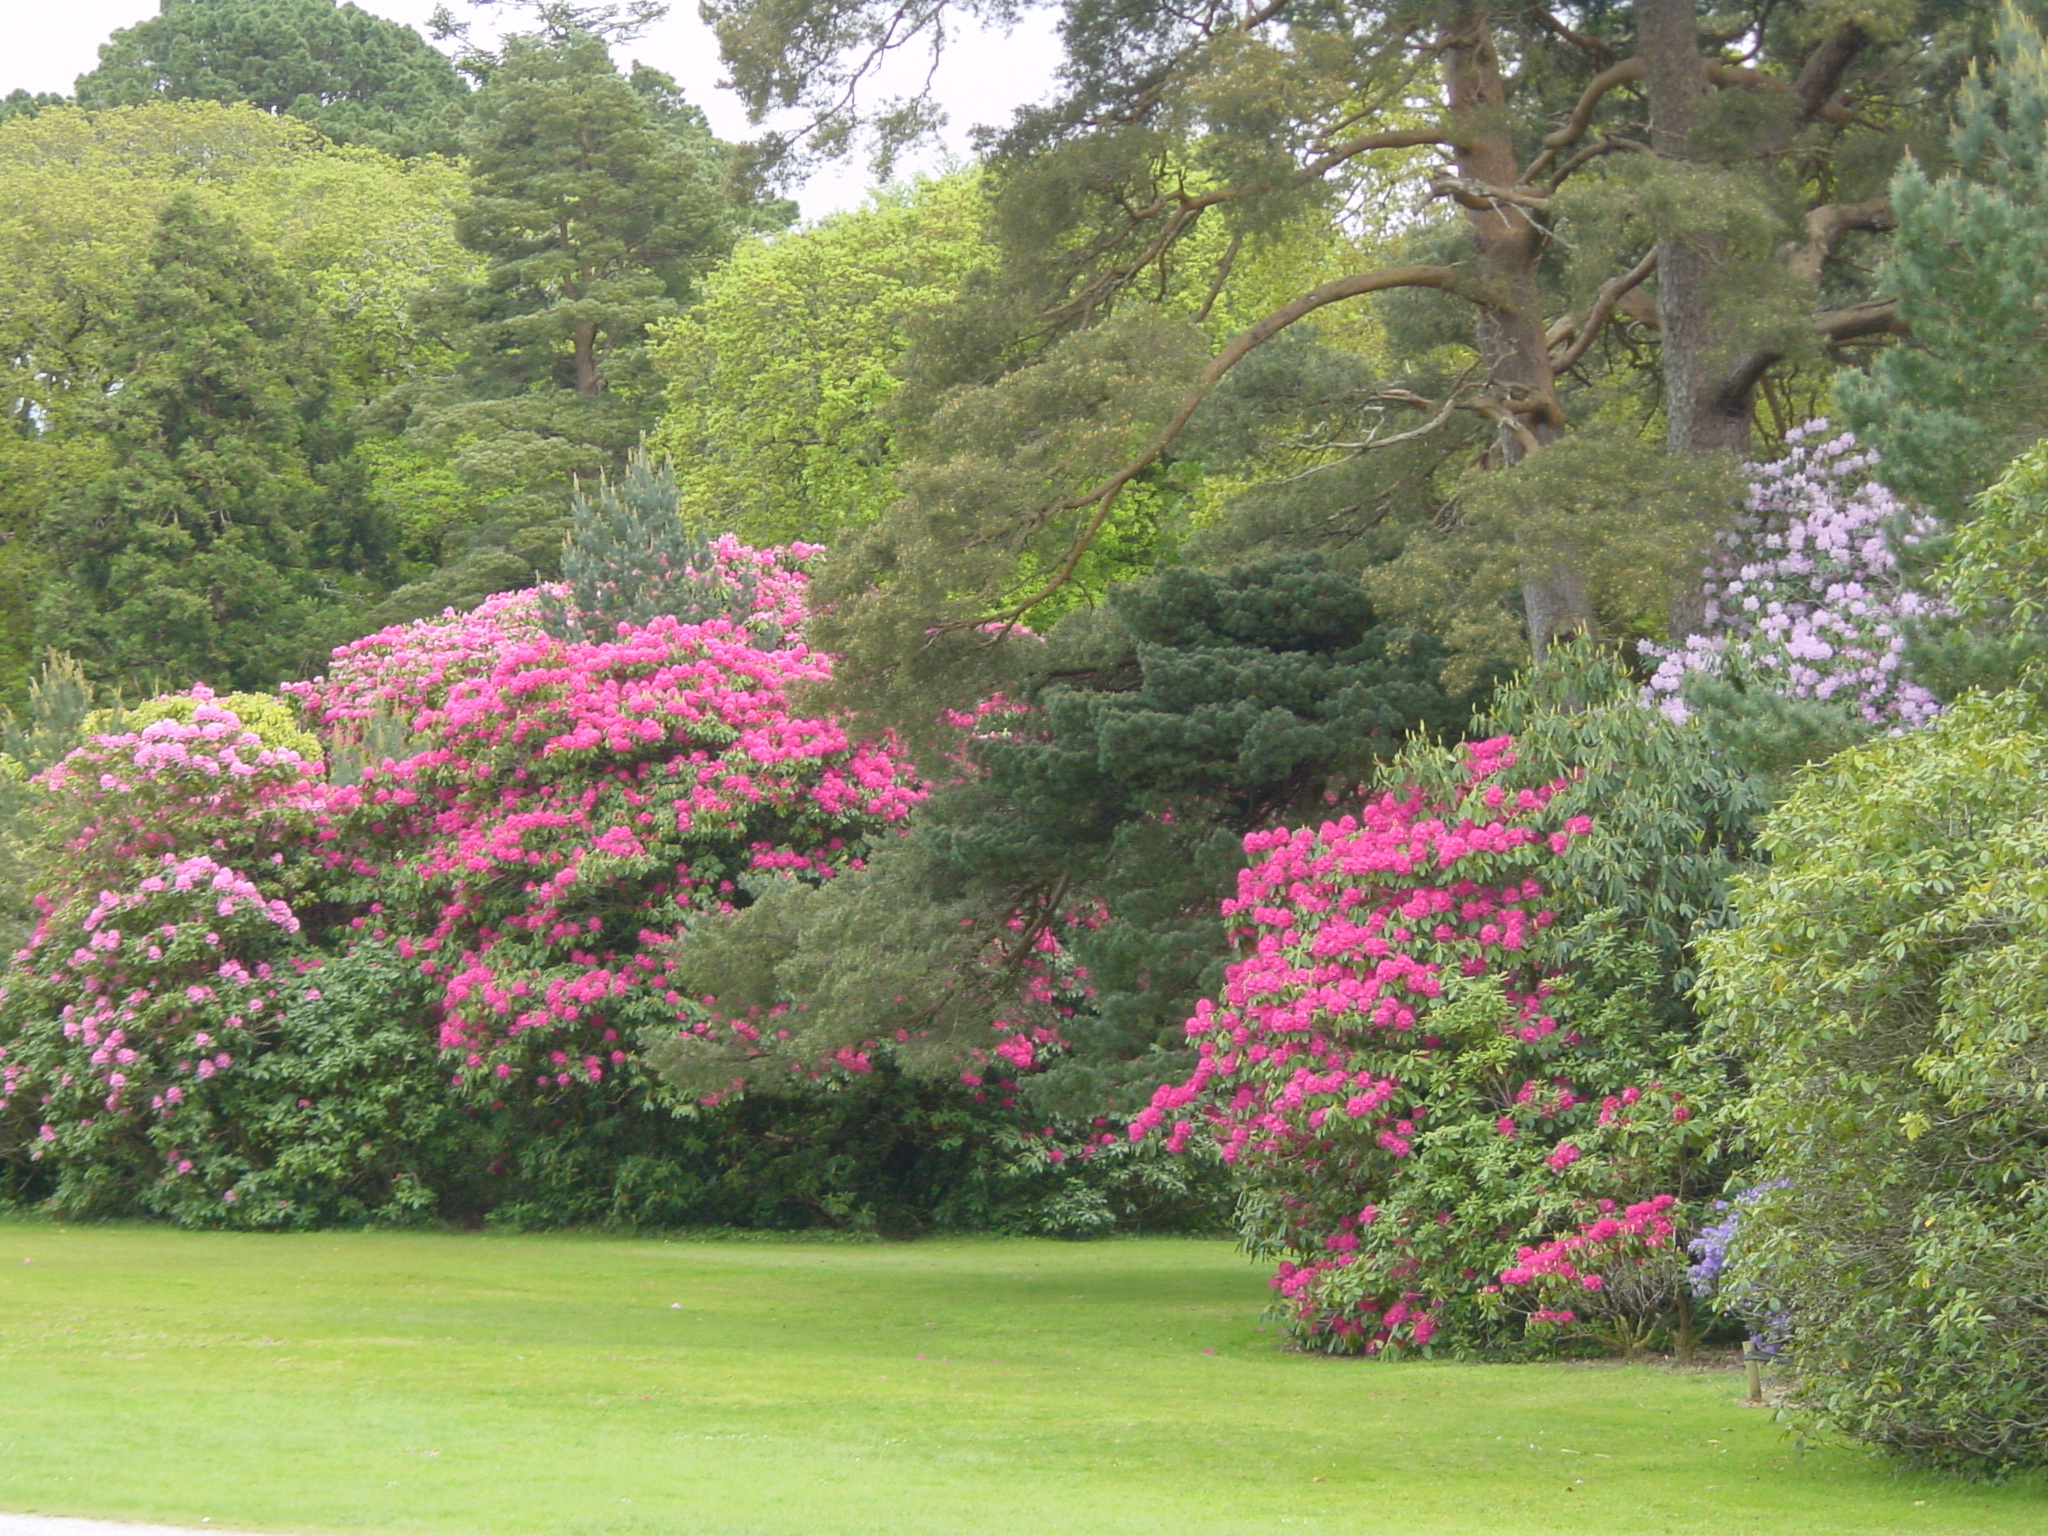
(498, 1386)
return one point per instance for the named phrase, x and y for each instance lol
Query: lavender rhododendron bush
(1805, 598)
(167, 940)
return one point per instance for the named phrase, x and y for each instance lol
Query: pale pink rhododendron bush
(1805, 596)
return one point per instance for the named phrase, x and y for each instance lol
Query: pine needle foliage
(628, 558)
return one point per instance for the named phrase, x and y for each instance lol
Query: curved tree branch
(1626, 72)
(1102, 496)
(1611, 293)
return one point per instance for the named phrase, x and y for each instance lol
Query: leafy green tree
(20, 103)
(593, 207)
(364, 232)
(356, 77)
(217, 544)
(1882, 999)
(1968, 266)
(780, 377)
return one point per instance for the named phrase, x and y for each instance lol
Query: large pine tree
(1969, 265)
(595, 201)
(218, 546)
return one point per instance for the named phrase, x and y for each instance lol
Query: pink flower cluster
(559, 812)
(404, 669)
(1397, 1064)
(569, 805)
(1805, 594)
(152, 968)
(1602, 1242)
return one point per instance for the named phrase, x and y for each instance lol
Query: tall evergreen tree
(218, 545)
(358, 78)
(1653, 213)
(1969, 265)
(595, 203)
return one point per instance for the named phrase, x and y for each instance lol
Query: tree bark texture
(1507, 244)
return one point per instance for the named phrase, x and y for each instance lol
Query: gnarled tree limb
(1582, 335)
(1102, 496)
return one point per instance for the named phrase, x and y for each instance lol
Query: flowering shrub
(166, 938)
(551, 817)
(1616, 1276)
(1804, 597)
(1409, 1077)
(1713, 1248)
(570, 805)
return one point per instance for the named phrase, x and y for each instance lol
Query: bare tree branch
(1828, 223)
(1582, 335)
(1626, 72)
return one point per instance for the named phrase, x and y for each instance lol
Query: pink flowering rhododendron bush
(481, 917)
(569, 806)
(1449, 1044)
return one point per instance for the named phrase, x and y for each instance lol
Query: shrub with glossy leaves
(1455, 1026)
(1885, 997)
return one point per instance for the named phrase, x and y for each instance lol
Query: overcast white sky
(49, 43)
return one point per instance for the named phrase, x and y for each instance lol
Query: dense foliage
(1067, 880)
(1882, 1001)
(356, 77)
(1967, 263)
(1026, 733)
(215, 541)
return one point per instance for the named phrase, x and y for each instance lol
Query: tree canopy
(1635, 216)
(356, 77)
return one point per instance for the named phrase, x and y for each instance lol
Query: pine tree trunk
(589, 382)
(1507, 244)
(1702, 413)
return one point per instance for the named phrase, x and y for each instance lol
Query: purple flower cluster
(1804, 595)
(1711, 1250)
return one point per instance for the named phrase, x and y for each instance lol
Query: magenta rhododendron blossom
(569, 805)
(1398, 1018)
(545, 820)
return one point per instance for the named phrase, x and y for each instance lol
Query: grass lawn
(499, 1386)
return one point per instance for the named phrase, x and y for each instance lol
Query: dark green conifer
(1195, 707)
(358, 78)
(218, 545)
(594, 203)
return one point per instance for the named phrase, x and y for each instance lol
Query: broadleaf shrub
(1885, 998)
(1457, 1024)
